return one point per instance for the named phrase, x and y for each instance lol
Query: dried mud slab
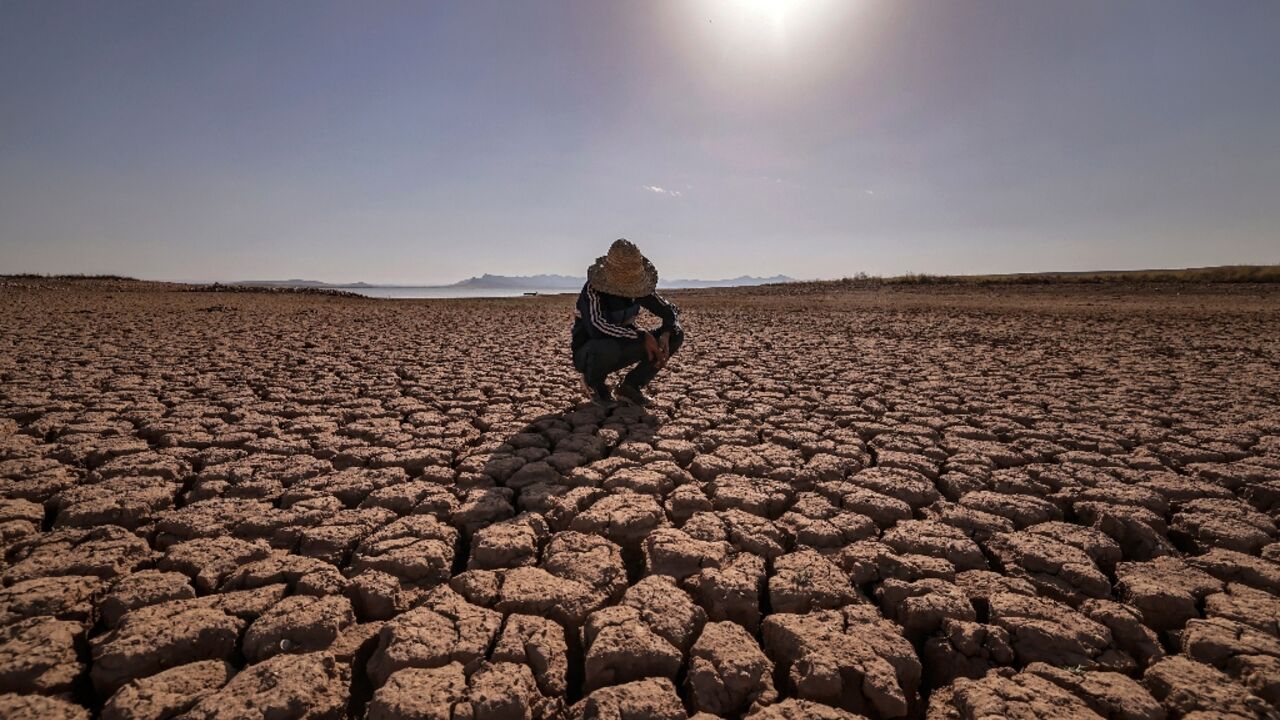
(652, 699)
(140, 589)
(167, 693)
(307, 687)
(66, 597)
(152, 638)
(444, 629)
(40, 706)
(939, 502)
(1185, 686)
(728, 672)
(850, 659)
(621, 647)
(40, 655)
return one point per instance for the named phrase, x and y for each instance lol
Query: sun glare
(771, 23)
(763, 50)
(773, 12)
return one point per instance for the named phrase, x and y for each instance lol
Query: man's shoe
(599, 393)
(633, 395)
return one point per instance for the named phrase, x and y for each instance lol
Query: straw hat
(623, 272)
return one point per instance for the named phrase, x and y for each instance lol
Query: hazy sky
(430, 141)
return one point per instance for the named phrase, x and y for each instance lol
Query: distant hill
(282, 283)
(570, 282)
(529, 282)
(300, 283)
(1213, 274)
(739, 281)
(566, 282)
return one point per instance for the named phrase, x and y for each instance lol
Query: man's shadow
(545, 464)
(556, 464)
(566, 448)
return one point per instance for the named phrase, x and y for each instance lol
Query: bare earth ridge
(893, 502)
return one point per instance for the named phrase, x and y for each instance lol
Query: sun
(772, 12)
(770, 16)
(767, 23)
(759, 48)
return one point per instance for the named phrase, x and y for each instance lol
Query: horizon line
(853, 276)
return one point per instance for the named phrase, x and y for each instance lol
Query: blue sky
(426, 142)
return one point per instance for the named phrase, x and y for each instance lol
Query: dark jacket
(601, 315)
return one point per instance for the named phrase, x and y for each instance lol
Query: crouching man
(605, 336)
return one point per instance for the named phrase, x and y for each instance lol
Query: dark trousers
(597, 358)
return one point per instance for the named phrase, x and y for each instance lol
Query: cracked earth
(1039, 502)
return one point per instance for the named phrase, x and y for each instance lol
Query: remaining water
(452, 292)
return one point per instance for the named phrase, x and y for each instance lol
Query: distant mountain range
(740, 281)
(553, 282)
(295, 282)
(532, 282)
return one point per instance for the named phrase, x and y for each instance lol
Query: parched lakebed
(943, 502)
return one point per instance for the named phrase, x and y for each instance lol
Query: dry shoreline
(900, 501)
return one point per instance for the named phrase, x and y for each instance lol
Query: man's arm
(597, 326)
(659, 306)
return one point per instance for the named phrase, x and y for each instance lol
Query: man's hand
(658, 350)
(651, 347)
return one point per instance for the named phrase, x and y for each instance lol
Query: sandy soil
(897, 502)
